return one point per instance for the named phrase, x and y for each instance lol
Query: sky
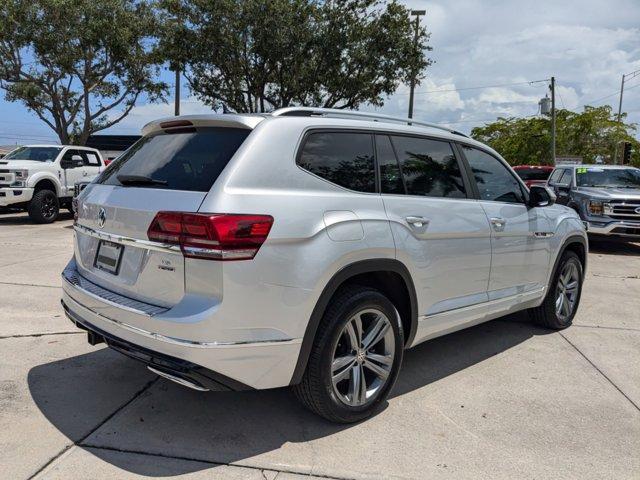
(485, 53)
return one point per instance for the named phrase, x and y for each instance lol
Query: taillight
(212, 236)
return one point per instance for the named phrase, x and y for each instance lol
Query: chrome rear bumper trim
(133, 242)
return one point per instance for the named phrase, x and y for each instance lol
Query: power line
(476, 88)
(617, 92)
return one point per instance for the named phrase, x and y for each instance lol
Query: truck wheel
(562, 300)
(355, 357)
(44, 207)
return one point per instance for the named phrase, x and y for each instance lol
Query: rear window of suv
(188, 160)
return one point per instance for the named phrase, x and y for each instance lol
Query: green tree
(258, 55)
(591, 133)
(79, 65)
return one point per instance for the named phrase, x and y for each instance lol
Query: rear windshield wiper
(139, 180)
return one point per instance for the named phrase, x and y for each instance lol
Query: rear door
(114, 215)
(441, 233)
(520, 236)
(92, 163)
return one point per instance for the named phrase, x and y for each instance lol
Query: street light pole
(417, 14)
(177, 101)
(553, 119)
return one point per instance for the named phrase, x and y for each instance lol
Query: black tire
(317, 391)
(547, 314)
(44, 207)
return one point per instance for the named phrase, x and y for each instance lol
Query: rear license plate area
(108, 257)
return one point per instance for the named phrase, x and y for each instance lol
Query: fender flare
(572, 238)
(341, 276)
(39, 176)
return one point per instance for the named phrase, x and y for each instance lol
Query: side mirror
(75, 162)
(541, 196)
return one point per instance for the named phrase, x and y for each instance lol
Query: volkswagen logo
(637, 210)
(102, 217)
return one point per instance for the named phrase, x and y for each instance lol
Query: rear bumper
(234, 365)
(192, 374)
(621, 229)
(12, 196)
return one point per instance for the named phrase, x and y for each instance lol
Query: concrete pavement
(501, 400)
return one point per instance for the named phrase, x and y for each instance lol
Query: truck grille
(625, 210)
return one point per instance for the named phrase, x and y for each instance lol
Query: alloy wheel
(363, 357)
(48, 208)
(567, 290)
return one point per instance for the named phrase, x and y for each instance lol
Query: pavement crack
(600, 371)
(627, 329)
(623, 277)
(105, 420)
(35, 335)
(209, 462)
(29, 284)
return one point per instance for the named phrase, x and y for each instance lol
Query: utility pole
(624, 77)
(177, 104)
(417, 13)
(553, 119)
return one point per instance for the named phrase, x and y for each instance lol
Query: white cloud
(587, 45)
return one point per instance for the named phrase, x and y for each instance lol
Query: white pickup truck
(41, 178)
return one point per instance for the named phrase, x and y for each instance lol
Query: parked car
(606, 197)
(533, 174)
(309, 248)
(40, 178)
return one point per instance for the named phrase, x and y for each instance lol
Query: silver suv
(309, 248)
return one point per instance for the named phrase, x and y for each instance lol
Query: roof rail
(336, 112)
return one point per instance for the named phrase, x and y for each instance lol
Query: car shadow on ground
(228, 427)
(13, 218)
(609, 247)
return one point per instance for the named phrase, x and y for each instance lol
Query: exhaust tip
(179, 380)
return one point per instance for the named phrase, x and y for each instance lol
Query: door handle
(418, 222)
(498, 224)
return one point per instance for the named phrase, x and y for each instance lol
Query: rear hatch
(170, 169)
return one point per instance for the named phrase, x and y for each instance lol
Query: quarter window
(91, 159)
(429, 167)
(343, 158)
(495, 181)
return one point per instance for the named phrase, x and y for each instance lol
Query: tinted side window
(429, 167)
(390, 179)
(495, 181)
(555, 176)
(566, 177)
(343, 158)
(70, 153)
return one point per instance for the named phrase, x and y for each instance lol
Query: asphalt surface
(501, 400)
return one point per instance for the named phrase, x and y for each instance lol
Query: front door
(71, 175)
(520, 235)
(561, 182)
(441, 234)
